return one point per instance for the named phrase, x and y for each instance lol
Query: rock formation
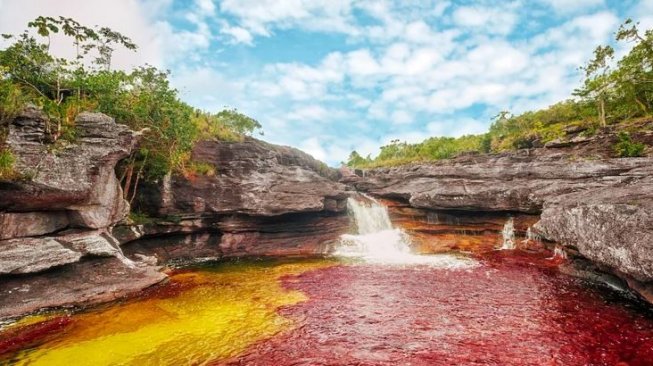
(263, 199)
(69, 196)
(62, 225)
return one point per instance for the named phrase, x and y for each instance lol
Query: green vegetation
(612, 94)
(626, 148)
(141, 98)
(139, 218)
(7, 161)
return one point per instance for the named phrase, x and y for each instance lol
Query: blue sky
(330, 76)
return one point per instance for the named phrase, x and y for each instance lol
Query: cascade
(559, 253)
(508, 235)
(377, 241)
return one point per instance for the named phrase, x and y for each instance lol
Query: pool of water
(510, 308)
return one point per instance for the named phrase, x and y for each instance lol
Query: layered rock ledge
(263, 200)
(67, 197)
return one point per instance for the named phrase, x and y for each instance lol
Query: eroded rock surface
(263, 200)
(612, 226)
(522, 181)
(252, 177)
(65, 185)
(57, 225)
(87, 282)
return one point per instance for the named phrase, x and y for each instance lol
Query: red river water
(514, 309)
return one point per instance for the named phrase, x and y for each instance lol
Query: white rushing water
(377, 241)
(508, 235)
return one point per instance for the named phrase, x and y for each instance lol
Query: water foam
(509, 235)
(377, 241)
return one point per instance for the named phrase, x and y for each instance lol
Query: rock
(520, 181)
(24, 224)
(298, 234)
(295, 235)
(597, 207)
(612, 226)
(34, 254)
(75, 176)
(80, 284)
(68, 185)
(559, 143)
(174, 247)
(26, 255)
(253, 177)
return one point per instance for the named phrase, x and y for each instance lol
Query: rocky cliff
(263, 199)
(597, 206)
(63, 226)
(67, 195)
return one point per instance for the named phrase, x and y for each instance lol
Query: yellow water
(224, 310)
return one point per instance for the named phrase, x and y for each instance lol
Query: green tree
(598, 80)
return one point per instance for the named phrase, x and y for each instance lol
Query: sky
(332, 76)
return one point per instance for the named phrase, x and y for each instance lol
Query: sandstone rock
(78, 176)
(91, 243)
(26, 255)
(253, 177)
(173, 247)
(34, 254)
(612, 226)
(510, 182)
(294, 235)
(88, 282)
(24, 224)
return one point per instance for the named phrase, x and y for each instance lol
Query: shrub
(7, 161)
(626, 148)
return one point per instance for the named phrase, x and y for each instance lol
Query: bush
(626, 148)
(201, 168)
(7, 161)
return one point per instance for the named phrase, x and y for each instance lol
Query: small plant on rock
(7, 161)
(626, 148)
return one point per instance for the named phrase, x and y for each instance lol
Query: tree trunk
(138, 178)
(641, 105)
(128, 181)
(602, 111)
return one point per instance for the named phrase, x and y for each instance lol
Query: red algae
(515, 309)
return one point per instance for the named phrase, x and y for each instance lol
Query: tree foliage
(141, 98)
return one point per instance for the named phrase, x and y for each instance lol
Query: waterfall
(377, 241)
(559, 253)
(508, 235)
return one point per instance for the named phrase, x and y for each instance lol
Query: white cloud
(314, 147)
(496, 19)
(410, 70)
(567, 6)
